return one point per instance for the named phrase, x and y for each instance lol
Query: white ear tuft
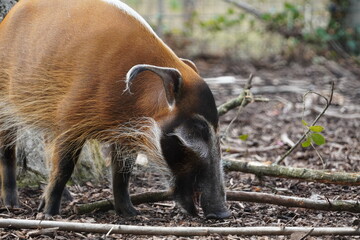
(171, 77)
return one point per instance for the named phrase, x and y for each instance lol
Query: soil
(266, 124)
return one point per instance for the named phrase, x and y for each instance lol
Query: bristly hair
(138, 135)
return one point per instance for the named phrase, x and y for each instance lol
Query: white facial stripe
(128, 10)
(200, 117)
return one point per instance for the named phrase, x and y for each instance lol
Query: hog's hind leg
(8, 169)
(64, 158)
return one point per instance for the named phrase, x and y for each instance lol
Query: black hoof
(11, 201)
(41, 205)
(49, 211)
(218, 215)
(128, 212)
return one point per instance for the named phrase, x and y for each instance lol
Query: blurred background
(257, 28)
(252, 29)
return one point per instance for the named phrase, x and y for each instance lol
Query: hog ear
(190, 64)
(171, 78)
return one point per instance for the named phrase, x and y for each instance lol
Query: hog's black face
(193, 154)
(192, 150)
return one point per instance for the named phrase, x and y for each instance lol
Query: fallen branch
(175, 231)
(233, 103)
(236, 102)
(260, 169)
(43, 231)
(326, 205)
(136, 199)
(244, 99)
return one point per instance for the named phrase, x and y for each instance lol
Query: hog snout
(212, 197)
(213, 207)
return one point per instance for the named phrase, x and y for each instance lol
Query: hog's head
(189, 141)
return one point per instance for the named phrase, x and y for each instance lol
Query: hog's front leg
(122, 164)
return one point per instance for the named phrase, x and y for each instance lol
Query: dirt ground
(267, 124)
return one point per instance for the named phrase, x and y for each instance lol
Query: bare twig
(327, 205)
(285, 139)
(328, 102)
(319, 155)
(247, 98)
(242, 100)
(340, 178)
(176, 231)
(307, 234)
(43, 231)
(136, 199)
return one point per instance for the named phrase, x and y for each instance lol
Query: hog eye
(201, 129)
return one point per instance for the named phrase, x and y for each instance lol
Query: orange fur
(63, 69)
(63, 65)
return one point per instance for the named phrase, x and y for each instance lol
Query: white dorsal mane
(128, 10)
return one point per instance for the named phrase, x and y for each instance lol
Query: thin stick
(136, 199)
(242, 100)
(175, 231)
(326, 205)
(246, 93)
(304, 174)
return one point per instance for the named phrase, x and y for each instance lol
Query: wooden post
(160, 18)
(188, 14)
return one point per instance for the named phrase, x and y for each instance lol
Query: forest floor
(267, 124)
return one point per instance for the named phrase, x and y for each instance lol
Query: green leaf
(316, 128)
(289, 6)
(304, 122)
(175, 5)
(317, 138)
(220, 19)
(266, 16)
(306, 143)
(230, 11)
(244, 137)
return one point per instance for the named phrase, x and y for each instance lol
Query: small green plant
(314, 135)
(244, 137)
